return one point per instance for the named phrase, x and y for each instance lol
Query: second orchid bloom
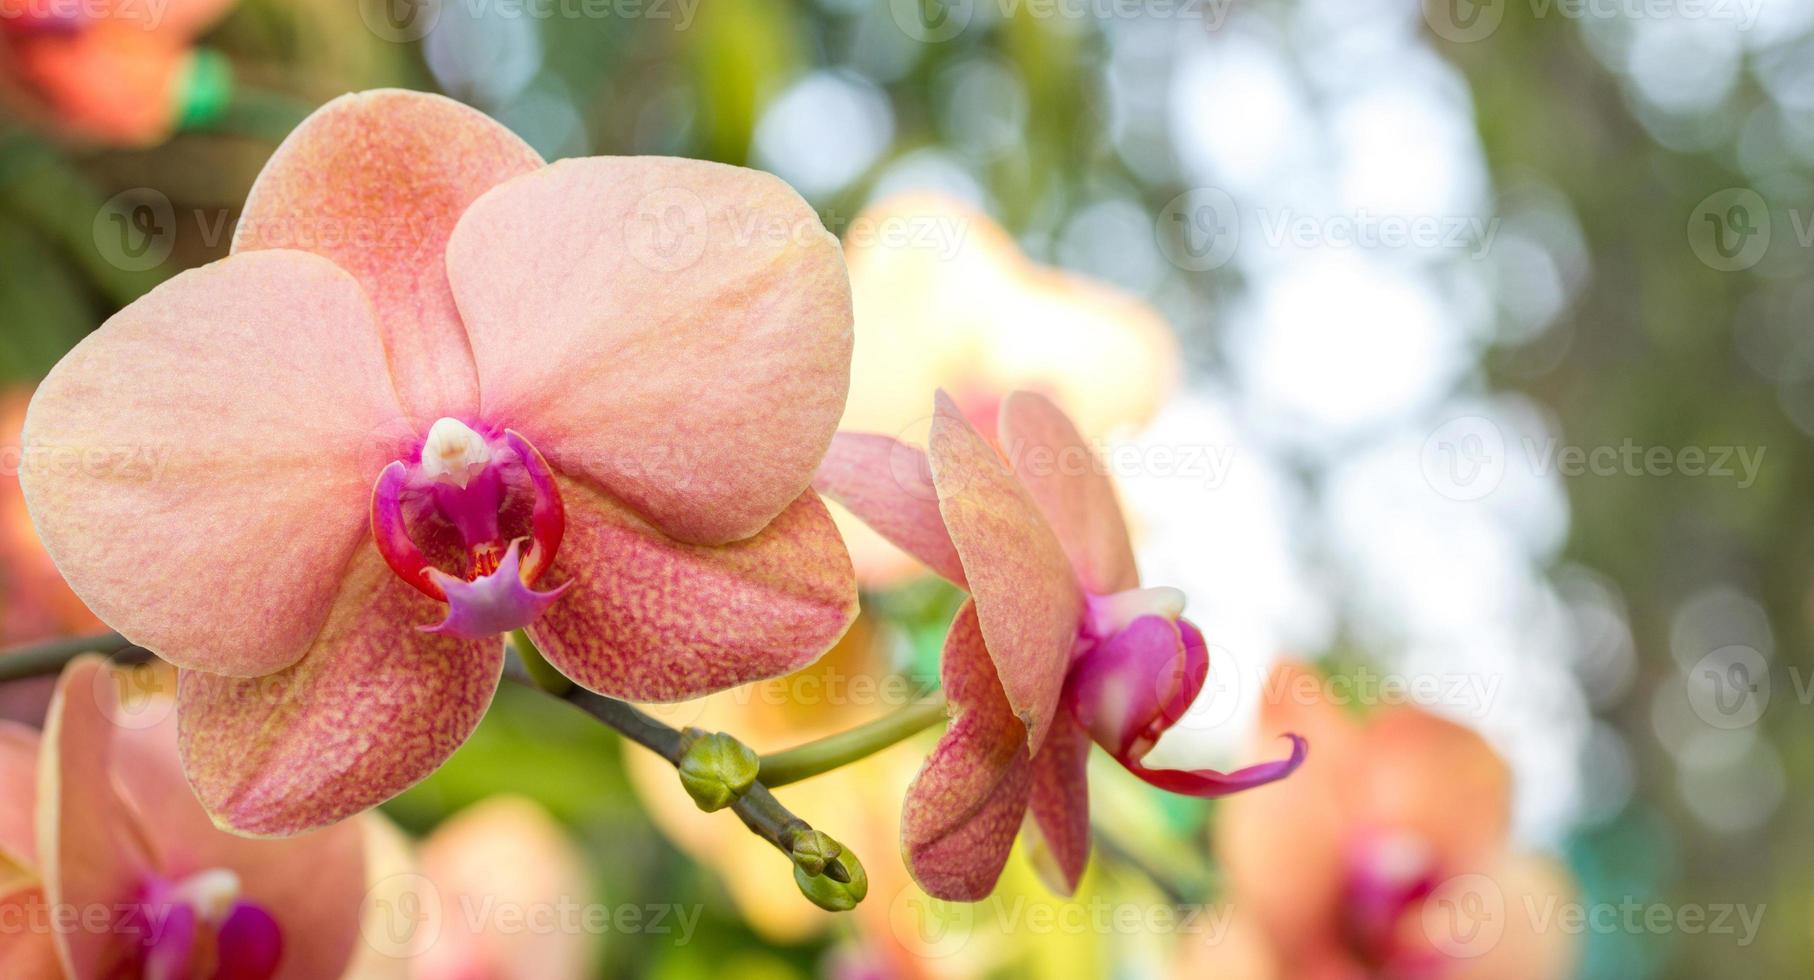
(1057, 647)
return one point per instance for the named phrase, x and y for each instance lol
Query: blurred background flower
(1455, 347)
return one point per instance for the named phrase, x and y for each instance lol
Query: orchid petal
(230, 420)
(93, 852)
(650, 619)
(18, 790)
(1071, 485)
(251, 944)
(1059, 805)
(27, 952)
(373, 708)
(1437, 779)
(376, 181)
(509, 851)
(965, 807)
(696, 372)
(1209, 783)
(310, 886)
(1119, 689)
(114, 82)
(1027, 598)
(888, 485)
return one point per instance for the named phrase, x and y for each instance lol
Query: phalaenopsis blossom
(438, 392)
(1058, 645)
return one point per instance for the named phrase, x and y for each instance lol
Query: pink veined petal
(647, 618)
(199, 468)
(1071, 485)
(888, 485)
(1027, 598)
(376, 181)
(94, 853)
(1060, 806)
(18, 793)
(965, 807)
(677, 332)
(310, 885)
(372, 708)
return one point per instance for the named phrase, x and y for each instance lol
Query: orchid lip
(201, 925)
(470, 487)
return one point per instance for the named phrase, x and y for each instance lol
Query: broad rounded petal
(888, 484)
(1437, 779)
(1027, 598)
(674, 330)
(311, 885)
(650, 619)
(507, 851)
(372, 708)
(376, 181)
(1060, 806)
(1070, 484)
(92, 848)
(200, 467)
(966, 805)
(1528, 948)
(19, 792)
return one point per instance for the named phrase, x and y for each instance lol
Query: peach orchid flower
(944, 298)
(1388, 854)
(1057, 646)
(117, 871)
(115, 71)
(438, 392)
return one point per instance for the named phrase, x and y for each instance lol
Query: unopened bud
(715, 768)
(830, 891)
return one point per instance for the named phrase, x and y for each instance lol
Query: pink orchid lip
(199, 921)
(1387, 874)
(465, 486)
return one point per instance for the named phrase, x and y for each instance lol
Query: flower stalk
(836, 751)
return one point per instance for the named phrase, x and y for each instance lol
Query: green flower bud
(827, 891)
(715, 768)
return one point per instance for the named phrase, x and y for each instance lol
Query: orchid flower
(1360, 865)
(122, 72)
(1057, 646)
(440, 391)
(117, 871)
(945, 299)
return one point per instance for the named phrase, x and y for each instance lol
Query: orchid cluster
(445, 400)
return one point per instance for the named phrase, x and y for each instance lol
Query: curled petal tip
(1208, 783)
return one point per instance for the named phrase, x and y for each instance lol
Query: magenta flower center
(201, 927)
(1129, 676)
(472, 519)
(1387, 875)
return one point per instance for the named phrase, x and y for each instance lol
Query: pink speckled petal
(650, 619)
(375, 181)
(311, 885)
(373, 707)
(93, 849)
(1060, 806)
(18, 790)
(888, 485)
(1027, 598)
(676, 331)
(964, 808)
(1071, 485)
(199, 467)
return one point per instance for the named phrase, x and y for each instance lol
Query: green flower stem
(44, 659)
(834, 751)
